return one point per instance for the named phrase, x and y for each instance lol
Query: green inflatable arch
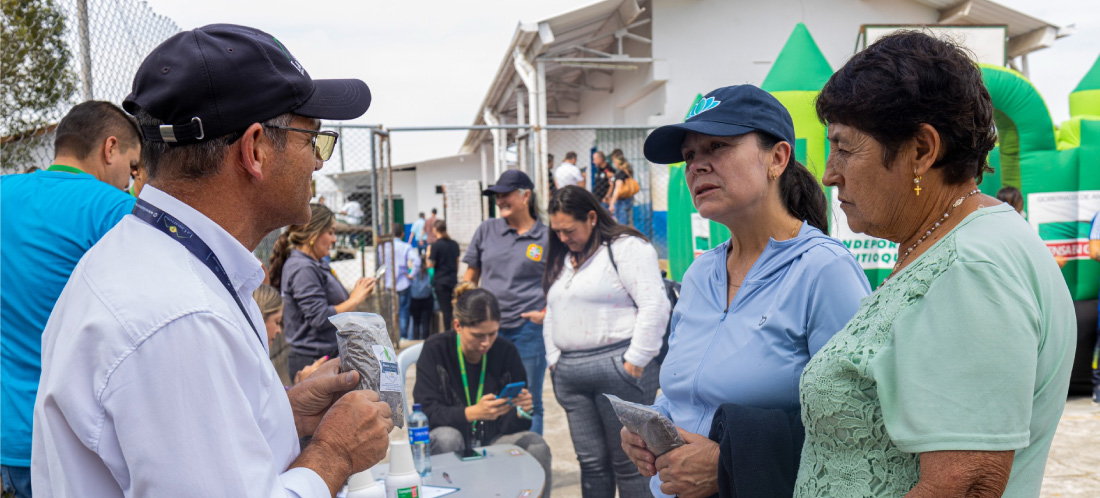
(1058, 171)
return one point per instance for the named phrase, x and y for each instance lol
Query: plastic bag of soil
(365, 347)
(658, 432)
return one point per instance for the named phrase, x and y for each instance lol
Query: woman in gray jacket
(311, 292)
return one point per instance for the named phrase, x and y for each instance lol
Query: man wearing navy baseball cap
(156, 378)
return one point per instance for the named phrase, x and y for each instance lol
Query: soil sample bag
(365, 347)
(658, 432)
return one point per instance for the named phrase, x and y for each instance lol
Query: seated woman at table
(459, 375)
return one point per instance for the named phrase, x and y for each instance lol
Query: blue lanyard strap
(179, 232)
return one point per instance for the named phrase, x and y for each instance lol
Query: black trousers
(444, 293)
(420, 310)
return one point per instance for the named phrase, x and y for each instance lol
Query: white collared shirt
(568, 173)
(153, 383)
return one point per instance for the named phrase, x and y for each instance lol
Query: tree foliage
(35, 72)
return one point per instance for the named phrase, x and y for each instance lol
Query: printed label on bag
(390, 375)
(418, 435)
(408, 492)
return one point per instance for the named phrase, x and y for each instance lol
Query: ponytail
(279, 253)
(799, 190)
(320, 220)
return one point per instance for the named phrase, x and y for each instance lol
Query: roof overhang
(580, 40)
(1026, 34)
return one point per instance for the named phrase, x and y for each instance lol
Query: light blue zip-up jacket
(795, 297)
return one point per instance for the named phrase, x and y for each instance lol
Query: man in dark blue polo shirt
(506, 256)
(49, 220)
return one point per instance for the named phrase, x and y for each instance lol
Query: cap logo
(703, 106)
(293, 61)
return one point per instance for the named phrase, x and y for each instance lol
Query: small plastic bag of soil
(365, 347)
(658, 432)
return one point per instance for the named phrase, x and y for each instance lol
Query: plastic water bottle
(418, 440)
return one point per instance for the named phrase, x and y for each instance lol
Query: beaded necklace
(928, 233)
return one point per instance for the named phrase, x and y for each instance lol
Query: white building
(642, 62)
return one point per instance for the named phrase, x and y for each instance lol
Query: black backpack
(672, 291)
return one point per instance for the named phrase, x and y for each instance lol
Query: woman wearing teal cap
(754, 310)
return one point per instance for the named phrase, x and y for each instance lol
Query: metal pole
(389, 172)
(393, 246)
(342, 149)
(542, 140)
(375, 204)
(462, 127)
(85, 47)
(484, 179)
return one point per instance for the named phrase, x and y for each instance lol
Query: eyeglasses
(324, 141)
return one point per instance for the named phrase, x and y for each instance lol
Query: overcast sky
(430, 63)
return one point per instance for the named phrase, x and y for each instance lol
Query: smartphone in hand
(512, 390)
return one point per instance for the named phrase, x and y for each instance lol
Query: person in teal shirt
(952, 376)
(49, 219)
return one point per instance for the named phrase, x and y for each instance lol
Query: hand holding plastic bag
(656, 429)
(364, 344)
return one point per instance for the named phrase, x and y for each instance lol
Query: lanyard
(179, 232)
(466, 382)
(65, 169)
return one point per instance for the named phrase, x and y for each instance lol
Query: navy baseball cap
(725, 112)
(510, 180)
(221, 78)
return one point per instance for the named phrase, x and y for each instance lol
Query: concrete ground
(1073, 469)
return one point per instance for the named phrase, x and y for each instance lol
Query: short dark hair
(570, 155)
(441, 227)
(198, 160)
(398, 230)
(910, 78)
(88, 124)
(433, 211)
(1012, 196)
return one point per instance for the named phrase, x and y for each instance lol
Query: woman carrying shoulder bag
(624, 190)
(605, 319)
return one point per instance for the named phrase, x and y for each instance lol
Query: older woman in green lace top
(950, 379)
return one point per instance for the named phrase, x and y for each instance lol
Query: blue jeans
(404, 322)
(532, 350)
(624, 211)
(17, 480)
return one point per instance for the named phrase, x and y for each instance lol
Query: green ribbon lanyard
(466, 382)
(65, 169)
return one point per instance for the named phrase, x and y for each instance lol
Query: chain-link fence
(647, 208)
(57, 53)
(361, 173)
(360, 178)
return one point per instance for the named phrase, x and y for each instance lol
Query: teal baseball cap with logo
(726, 112)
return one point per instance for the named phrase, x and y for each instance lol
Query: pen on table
(447, 477)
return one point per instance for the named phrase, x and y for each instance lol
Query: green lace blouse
(967, 348)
